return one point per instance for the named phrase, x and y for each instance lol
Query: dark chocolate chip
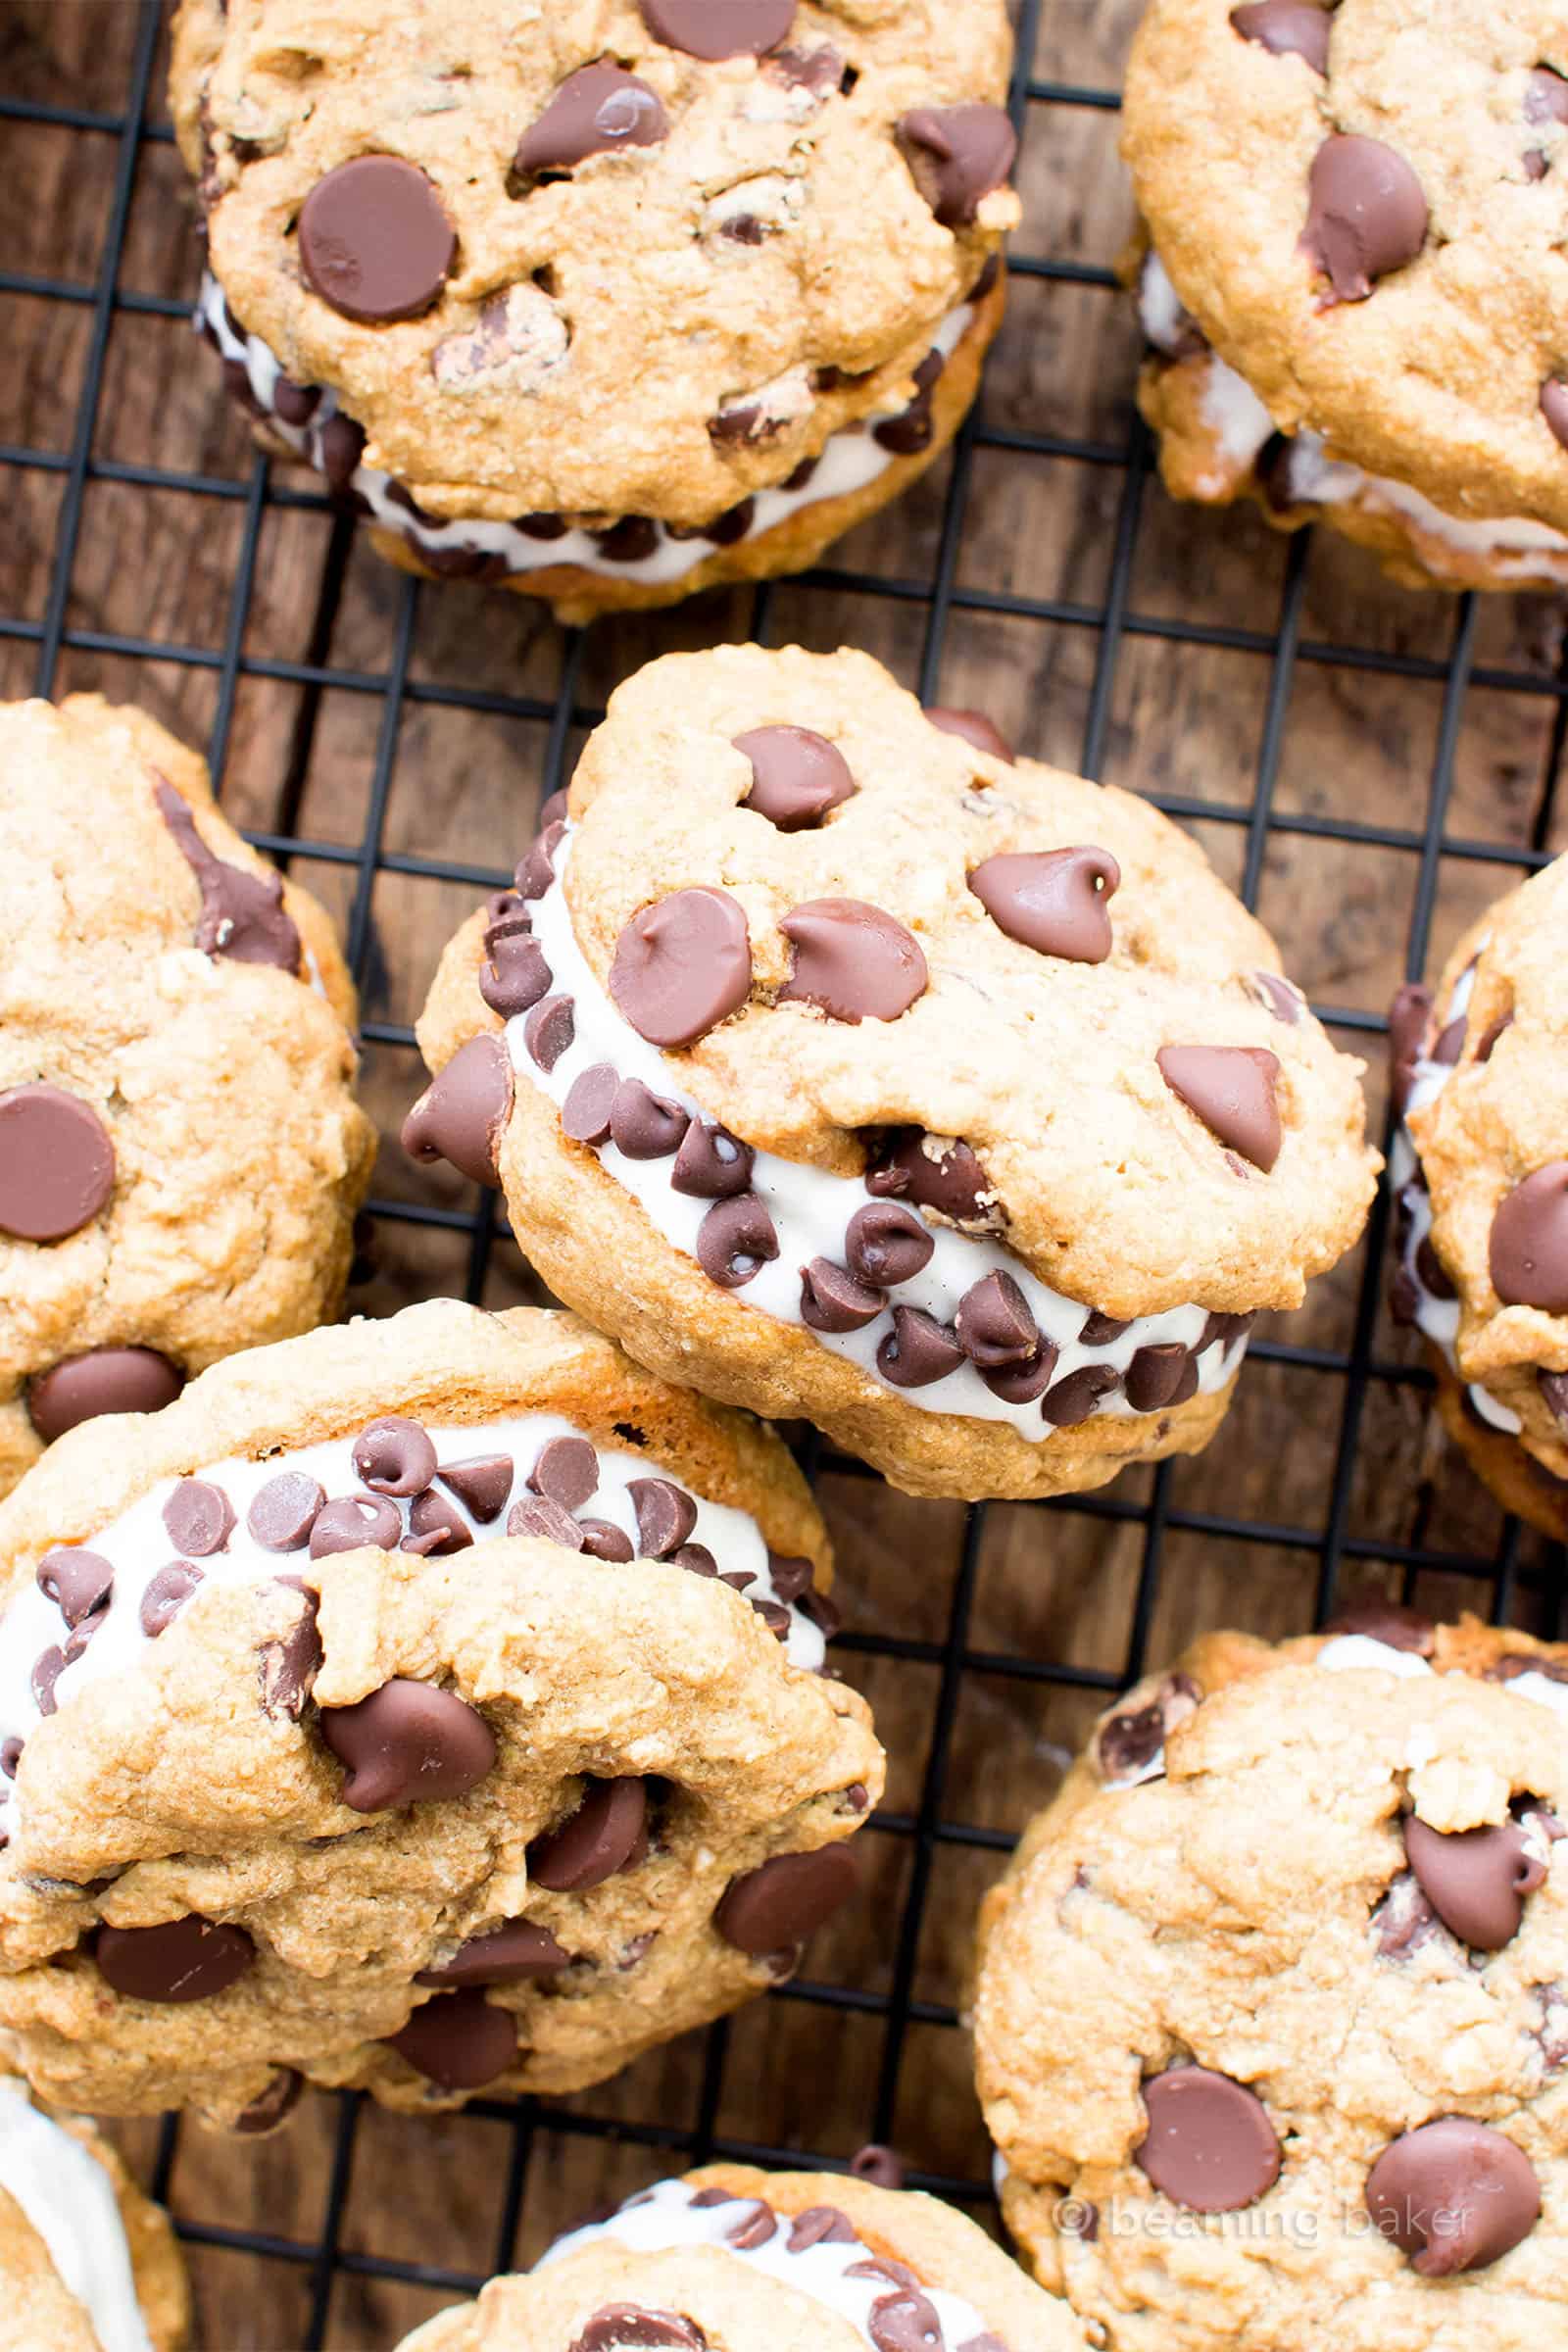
(602, 1540)
(1367, 214)
(436, 1526)
(515, 976)
(832, 1300)
(886, 1244)
(77, 1581)
(1075, 1399)
(458, 2041)
(242, 915)
(340, 444)
(1475, 1880)
(374, 240)
(882, 2166)
(632, 540)
(463, 1111)
(283, 1512)
(994, 1324)
(918, 1349)
(852, 962)
(1380, 1620)
(275, 2104)
(408, 1744)
(481, 1482)
(1210, 2145)
(700, 1561)
(544, 1521)
(106, 1380)
(712, 1164)
(166, 1594)
(1286, 28)
(536, 868)
(1408, 1018)
(735, 1241)
(957, 155)
(353, 1521)
(296, 404)
(715, 29)
(1162, 1375)
(666, 1516)
(1052, 901)
(567, 1471)
(600, 108)
(1021, 1384)
(786, 1900)
(682, 966)
(951, 1181)
(1453, 2196)
(797, 776)
(629, 2328)
(645, 1125)
(56, 1163)
(288, 1668)
(820, 2225)
(1529, 1247)
(394, 1455)
(974, 728)
(190, 1959)
(1555, 407)
(508, 1955)
(1101, 1331)
(199, 1517)
(607, 1833)
(1233, 1089)
(548, 1030)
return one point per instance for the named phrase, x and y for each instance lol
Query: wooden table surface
(1370, 764)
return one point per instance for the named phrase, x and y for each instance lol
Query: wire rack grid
(1350, 731)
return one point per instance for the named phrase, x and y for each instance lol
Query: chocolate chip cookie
(1352, 275)
(296, 1790)
(765, 2262)
(1272, 2010)
(181, 1152)
(1480, 1175)
(88, 2264)
(607, 301)
(843, 1065)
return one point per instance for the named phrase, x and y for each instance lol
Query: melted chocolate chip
(1286, 28)
(1052, 901)
(1367, 214)
(852, 962)
(286, 1669)
(950, 1181)
(190, 1959)
(1476, 1880)
(283, 1512)
(374, 240)
(462, 1114)
(1233, 1089)
(510, 1954)
(974, 728)
(1210, 2145)
(774, 1908)
(242, 917)
(1453, 2196)
(957, 155)
(106, 1380)
(607, 1833)
(600, 108)
(408, 1744)
(727, 28)
(682, 966)
(797, 776)
(56, 1163)
(1529, 1247)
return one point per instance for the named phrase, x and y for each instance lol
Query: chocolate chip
(1453, 2196)
(1223, 1331)
(1384, 1621)
(666, 1516)
(1076, 1397)
(340, 444)
(590, 1100)
(629, 2328)
(296, 404)
(275, 2104)
(597, 110)
(1160, 1376)
(918, 1349)
(462, 1114)
(632, 540)
(905, 2320)
(1287, 27)
(715, 29)
(1232, 1089)
(682, 966)
(755, 2227)
(536, 867)
(56, 1163)
(886, 1244)
(1554, 1396)
(166, 1596)
(286, 1669)
(883, 2166)
(914, 429)
(1052, 901)
(832, 1300)
(458, 2041)
(950, 1181)
(47, 1668)
(1408, 1019)
(1279, 995)
(436, 1526)
(242, 915)
(602, 1540)
(515, 976)
(567, 1471)
(820, 2225)
(852, 961)
(190, 1959)
(544, 1521)
(1210, 2145)
(1100, 1331)
(394, 1455)
(408, 1744)
(481, 1482)
(11, 1756)
(106, 1380)
(994, 1324)
(1545, 103)
(199, 1517)
(957, 155)
(1485, 1043)
(1021, 1384)
(1555, 407)
(1475, 1880)
(645, 1125)
(1367, 214)
(510, 1954)
(712, 1164)
(374, 240)
(735, 1239)
(797, 776)
(77, 1581)
(548, 1030)
(353, 1522)
(1131, 1740)
(975, 729)
(1429, 1270)
(786, 1900)
(1529, 1247)
(607, 1833)
(283, 1512)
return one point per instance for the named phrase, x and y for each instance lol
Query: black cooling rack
(1161, 1515)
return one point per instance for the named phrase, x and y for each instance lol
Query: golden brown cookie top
(1365, 211)
(599, 258)
(850, 939)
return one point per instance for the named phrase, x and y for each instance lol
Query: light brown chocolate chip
(1052, 901)
(1367, 216)
(56, 1163)
(682, 966)
(1233, 1089)
(854, 961)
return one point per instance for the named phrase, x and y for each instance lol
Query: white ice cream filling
(70, 2200)
(849, 461)
(137, 1546)
(1362, 1653)
(811, 1211)
(1516, 549)
(665, 2220)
